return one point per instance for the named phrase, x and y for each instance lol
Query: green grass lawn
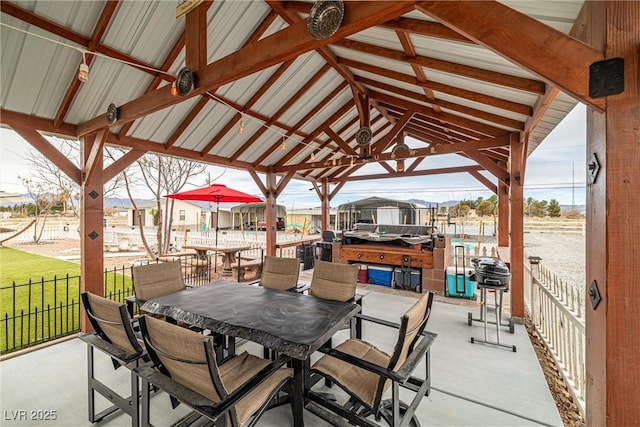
(54, 294)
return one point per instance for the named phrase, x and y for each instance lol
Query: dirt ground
(564, 401)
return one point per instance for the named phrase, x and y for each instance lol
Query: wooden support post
(503, 214)
(612, 335)
(91, 227)
(325, 205)
(516, 227)
(270, 214)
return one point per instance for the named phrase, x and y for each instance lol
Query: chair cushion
(356, 381)
(235, 372)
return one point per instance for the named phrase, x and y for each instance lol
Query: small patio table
(229, 255)
(290, 323)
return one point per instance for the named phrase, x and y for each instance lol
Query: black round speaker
(325, 18)
(364, 135)
(185, 81)
(113, 113)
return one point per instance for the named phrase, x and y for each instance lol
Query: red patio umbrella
(215, 193)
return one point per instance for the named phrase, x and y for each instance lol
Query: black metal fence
(44, 310)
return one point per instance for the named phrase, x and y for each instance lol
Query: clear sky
(555, 170)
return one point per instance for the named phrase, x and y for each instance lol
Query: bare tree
(44, 199)
(47, 174)
(160, 175)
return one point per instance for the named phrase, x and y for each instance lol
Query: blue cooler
(459, 283)
(380, 275)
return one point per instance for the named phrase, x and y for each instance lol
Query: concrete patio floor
(473, 384)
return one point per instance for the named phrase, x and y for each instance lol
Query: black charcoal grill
(491, 272)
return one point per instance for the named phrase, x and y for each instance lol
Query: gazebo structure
(260, 86)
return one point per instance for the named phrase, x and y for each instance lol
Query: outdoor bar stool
(113, 335)
(365, 373)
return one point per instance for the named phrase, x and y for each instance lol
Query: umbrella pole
(215, 253)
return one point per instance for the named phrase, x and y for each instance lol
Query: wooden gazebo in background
(486, 80)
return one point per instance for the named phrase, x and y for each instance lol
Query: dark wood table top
(288, 322)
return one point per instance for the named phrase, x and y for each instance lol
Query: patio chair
(113, 335)
(366, 372)
(280, 273)
(155, 280)
(237, 391)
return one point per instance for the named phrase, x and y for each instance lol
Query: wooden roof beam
(482, 98)
(317, 131)
(485, 129)
(39, 142)
(461, 147)
(489, 117)
(406, 174)
(304, 119)
(285, 44)
(501, 79)
(256, 96)
(553, 56)
(99, 30)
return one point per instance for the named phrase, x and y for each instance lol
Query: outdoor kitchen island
(406, 249)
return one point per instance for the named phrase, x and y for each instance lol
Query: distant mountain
(124, 203)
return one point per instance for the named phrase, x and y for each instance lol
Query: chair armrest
(404, 371)
(130, 301)
(197, 401)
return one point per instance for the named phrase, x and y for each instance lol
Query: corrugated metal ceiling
(38, 73)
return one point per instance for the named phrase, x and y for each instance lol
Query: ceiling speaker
(185, 81)
(364, 135)
(113, 113)
(325, 18)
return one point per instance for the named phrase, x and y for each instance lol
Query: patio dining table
(290, 323)
(229, 254)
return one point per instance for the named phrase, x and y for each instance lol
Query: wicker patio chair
(240, 389)
(113, 335)
(366, 372)
(280, 273)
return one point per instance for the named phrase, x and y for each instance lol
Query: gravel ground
(564, 254)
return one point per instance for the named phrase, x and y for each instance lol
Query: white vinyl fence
(557, 313)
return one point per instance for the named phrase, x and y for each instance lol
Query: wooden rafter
(553, 56)
(310, 114)
(285, 44)
(501, 79)
(346, 107)
(407, 46)
(196, 36)
(484, 181)
(39, 142)
(121, 164)
(482, 98)
(474, 112)
(394, 174)
(99, 30)
(232, 122)
(285, 107)
(380, 145)
(94, 156)
(485, 129)
(472, 147)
